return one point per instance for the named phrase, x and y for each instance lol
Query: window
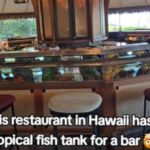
(135, 21)
(17, 28)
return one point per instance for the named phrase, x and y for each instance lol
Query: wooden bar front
(106, 90)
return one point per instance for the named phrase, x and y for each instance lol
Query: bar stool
(6, 101)
(146, 97)
(74, 103)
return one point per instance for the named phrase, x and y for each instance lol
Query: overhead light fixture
(21, 1)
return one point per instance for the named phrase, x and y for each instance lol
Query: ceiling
(9, 8)
(124, 5)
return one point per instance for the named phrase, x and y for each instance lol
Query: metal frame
(95, 129)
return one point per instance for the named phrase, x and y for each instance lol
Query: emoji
(147, 141)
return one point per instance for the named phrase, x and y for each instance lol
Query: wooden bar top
(46, 52)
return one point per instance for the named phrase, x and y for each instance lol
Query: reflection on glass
(47, 18)
(91, 73)
(37, 74)
(10, 60)
(81, 18)
(6, 73)
(69, 74)
(63, 18)
(132, 70)
(128, 55)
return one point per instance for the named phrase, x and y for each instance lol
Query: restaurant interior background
(85, 24)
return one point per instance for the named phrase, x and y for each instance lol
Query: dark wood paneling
(106, 2)
(36, 11)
